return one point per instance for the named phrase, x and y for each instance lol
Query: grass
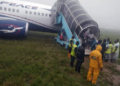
(113, 70)
(113, 34)
(39, 61)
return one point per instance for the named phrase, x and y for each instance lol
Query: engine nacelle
(13, 28)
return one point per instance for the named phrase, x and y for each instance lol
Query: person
(98, 43)
(71, 42)
(61, 36)
(90, 38)
(118, 48)
(95, 64)
(107, 41)
(108, 51)
(115, 51)
(86, 33)
(73, 53)
(103, 48)
(80, 57)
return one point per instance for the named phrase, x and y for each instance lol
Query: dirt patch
(118, 67)
(116, 80)
(86, 62)
(106, 71)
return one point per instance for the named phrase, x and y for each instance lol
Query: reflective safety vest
(73, 50)
(70, 43)
(114, 47)
(109, 50)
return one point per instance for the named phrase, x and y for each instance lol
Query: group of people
(88, 37)
(76, 52)
(102, 51)
(110, 52)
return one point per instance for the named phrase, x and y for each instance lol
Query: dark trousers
(72, 61)
(69, 48)
(103, 54)
(78, 66)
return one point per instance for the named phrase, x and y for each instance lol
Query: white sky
(105, 12)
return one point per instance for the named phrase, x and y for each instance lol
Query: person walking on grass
(103, 48)
(95, 64)
(73, 53)
(80, 57)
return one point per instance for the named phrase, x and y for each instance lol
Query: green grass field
(39, 61)
(112, 34)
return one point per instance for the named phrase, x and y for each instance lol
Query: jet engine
(13, 28)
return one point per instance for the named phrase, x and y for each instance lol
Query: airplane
(17, 17)
(65, 16)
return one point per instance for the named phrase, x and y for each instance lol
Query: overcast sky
(105, 12)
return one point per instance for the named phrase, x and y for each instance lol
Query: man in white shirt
(90, 38)
(86, 33)
(115, 52)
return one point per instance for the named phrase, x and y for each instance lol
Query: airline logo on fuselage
(9, 28)
(19, 5)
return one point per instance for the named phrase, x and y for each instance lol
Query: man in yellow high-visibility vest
(108, 51)
(71, 42)
(73, 53)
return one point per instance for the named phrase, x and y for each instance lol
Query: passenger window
(30, 12)
(38, 13)
(0, 8)
(45, 14)
(34, 13)
(5, 8)
(13, 10)
(42, 14)
(17, 10)
(49, 15)
(26, 12)
(9, 9)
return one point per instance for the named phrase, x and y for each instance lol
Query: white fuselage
(27, 11)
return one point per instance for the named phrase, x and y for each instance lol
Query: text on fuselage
(19, 5)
